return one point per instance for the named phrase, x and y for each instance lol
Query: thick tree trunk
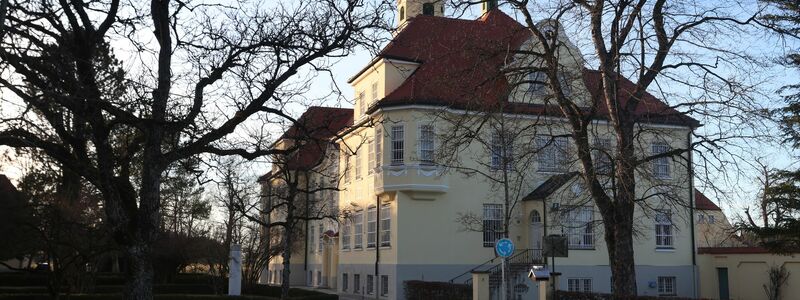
(623, 271)
(287, 257)
(140, 274)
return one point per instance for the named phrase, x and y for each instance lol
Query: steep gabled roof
(550, 186)
(702, 202)
(461, 65)
(313, 132)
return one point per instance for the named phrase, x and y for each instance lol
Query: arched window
(427, 9)
(402, 13)
(535, 217)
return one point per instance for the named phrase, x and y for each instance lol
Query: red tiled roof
(460, 67)
(313, 130)
(702, 202)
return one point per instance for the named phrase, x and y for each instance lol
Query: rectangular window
(370, 157)
(384, 285)
(357, 283)
(602, 156)
(579, 285)
(664, 229)
(359, 229)
(320, 242)
(701, 218)
(552, 155)
(492, 224)
(661, 165)
(666, 285)
(397, 145)
(580, 227)
(536, 82)
(348, 167)
(502, 151)
(346, 235)
(344, 281)
(362, 104)
(372, 227)
(378, 149)
(386, 225)
(370, 284)
(312, 237)
(711, 219)
(426, 146)
(374, 92)
(358, 163)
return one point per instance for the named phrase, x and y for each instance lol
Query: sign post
(504, 248)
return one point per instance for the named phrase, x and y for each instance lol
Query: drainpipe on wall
(691, 213)
(376, 280)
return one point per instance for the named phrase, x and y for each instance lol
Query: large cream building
(407, 204)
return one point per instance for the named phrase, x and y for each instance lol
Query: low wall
(746, 269)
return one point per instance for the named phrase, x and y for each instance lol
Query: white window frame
(320, 242)
(311, 238)
(664, 230)
(580, 227)
(356, 283)
(362, 104)
(358, 228)
(358, 163)
(581, 285)
(374, 92)
(398, 137)
(502, 151)
(344, 282)
(346, 235)
(348, 167)
(667, 285)
(370, 284)
(370, 157)
(372, 226)
(378, 149)
(426, 144)
(552, 155)
(386, 225)
(661, 168)
(492, 223)
(384, 285)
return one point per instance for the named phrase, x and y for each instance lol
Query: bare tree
(203, 73)
(632, 50)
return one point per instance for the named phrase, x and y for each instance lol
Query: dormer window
(427, 9)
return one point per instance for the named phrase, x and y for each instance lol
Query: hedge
(429, 290)
(160, 297)
(564, 295)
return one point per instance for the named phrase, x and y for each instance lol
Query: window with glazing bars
(372, 227)
(370, 284)
(492, 224)
(426, 144)
(666, 285)
(502, 146)
(397, 145)
(602, 156)
(386, 225)
(346, 235)
(579, 284)
(378, 149)
(362, 104)
(661, 167)
(552, 155)
(358, 163)
(580, 227)
(370, 157)
(358, 227)
(664, 229)
(384, 285)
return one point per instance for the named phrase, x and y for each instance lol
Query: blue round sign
(504, 247)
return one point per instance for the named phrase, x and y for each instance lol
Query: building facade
(414, 204)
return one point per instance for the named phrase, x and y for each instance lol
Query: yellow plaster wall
(747, 274)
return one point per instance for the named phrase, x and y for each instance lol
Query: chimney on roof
(407, 9)
(487, 6)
